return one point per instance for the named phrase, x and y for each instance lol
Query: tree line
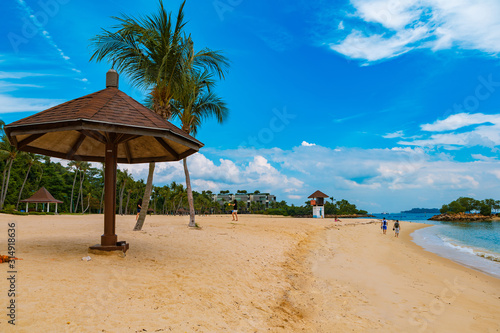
(468, 205)
(81, 187)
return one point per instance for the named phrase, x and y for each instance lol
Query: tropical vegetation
(469, 205)
(157, 55)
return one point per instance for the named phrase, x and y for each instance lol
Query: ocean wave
(470, 250)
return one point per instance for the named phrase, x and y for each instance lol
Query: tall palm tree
(9, 154)
(123, 178)
(76, 166)
(150, 51)
(194, 104)
(31, 159)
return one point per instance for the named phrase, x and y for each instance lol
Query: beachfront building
(265, 199)
(318, 203)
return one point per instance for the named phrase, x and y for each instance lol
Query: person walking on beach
(384, 226)
(396, 228)
(139, 206)
(234, 213)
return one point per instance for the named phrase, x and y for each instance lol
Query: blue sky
(390, 104)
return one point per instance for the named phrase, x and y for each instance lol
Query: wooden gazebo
(42, 196)
(107, 126)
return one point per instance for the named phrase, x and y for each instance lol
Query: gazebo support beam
(109, 238)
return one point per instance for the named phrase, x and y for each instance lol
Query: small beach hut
(106, 126)
(318, 204)
(42, 196)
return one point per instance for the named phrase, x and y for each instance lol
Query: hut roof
(318, 194)
(42, 196)
(75, 130)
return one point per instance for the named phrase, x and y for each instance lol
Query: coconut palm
(9, 154)
(192, 106)
(150, 51)
(31, 159)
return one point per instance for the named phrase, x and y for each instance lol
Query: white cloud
(405, 25)
(396, 134)
(460, 120)
(307, 144)
(484, 131)
(17, 104)
(483, 158)
(20, 75)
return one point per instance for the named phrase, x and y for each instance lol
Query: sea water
(472, 244)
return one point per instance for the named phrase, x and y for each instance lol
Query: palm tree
(150, 51)
(76, 165)
(31, 159)
(195, 104)
(9, 154)
(123, 178)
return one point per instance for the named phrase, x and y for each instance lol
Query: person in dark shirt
(139, 206)
(234, 213)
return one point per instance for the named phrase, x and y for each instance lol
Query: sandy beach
(260, 274)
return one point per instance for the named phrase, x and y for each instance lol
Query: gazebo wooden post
(26, 207)
(48, 207)
(110, 163)
(56, 207)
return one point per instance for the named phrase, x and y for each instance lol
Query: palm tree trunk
(126, 205)
(72, 191)
(100, 203)
(145, 199)
(121, 197)
(82, 176)
(3, 183)
(7, 183)
(192, 223)
(22, 187)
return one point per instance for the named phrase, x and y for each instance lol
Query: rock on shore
(460, 217)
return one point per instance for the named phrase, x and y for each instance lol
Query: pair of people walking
(396, 227)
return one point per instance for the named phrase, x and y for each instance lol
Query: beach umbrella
(106, 126)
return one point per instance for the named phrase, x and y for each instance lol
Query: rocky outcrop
(460, 217)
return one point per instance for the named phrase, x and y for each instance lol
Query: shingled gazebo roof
(106, 126)
(318, 194)
(142, 135)
(42, 196)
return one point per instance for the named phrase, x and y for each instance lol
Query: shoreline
(395, 285)
(264, 273)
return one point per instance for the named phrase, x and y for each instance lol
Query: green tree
(8, 153)
(30, 160)
(151, 51)
(196, 103)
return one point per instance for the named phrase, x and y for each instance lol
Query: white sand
(260, 274)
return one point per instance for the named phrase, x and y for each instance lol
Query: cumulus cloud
(464, 130)
(18, 104)
(405, 25)
(460, 120)
(307, 144)
(396, 134)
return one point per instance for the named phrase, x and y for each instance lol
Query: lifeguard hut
(318, 203)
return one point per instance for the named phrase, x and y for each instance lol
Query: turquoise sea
(473, 244)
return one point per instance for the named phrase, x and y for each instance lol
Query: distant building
(264, 198)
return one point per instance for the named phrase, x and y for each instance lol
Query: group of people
(396, 227)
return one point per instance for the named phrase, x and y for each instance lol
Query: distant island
(422, 210)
